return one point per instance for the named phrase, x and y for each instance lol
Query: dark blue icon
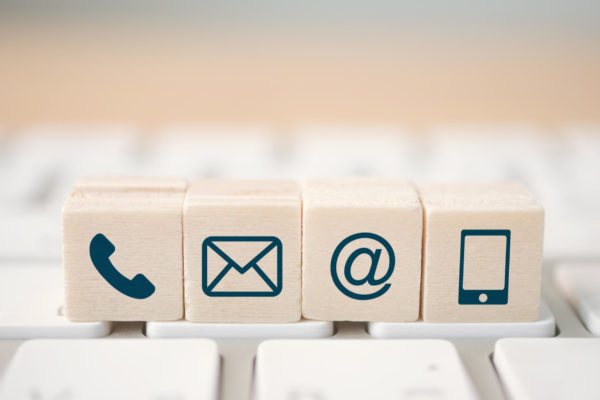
(483, 296)
(100, 251)
(268, 286)
(369, 278)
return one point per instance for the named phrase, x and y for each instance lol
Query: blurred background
(420, 90)
(403, 61)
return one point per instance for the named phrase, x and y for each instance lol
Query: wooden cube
(361, 250)
(122, 250)
(242, 251)
(482, 253)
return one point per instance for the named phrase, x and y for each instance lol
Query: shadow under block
(242, 251)
(361, 250)
(142, 219)
(482, 253)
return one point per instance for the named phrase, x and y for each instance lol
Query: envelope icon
(242, 266)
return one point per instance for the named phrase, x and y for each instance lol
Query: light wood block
(496, 232)
(335, 211)
(142, 219)
(242, 251)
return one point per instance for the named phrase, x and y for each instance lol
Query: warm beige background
(53, 70)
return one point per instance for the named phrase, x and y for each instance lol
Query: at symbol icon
(375, 242)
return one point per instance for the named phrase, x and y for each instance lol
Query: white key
(185, 329)
(211, 151)
(580, 283)
(549, 369)
(584, 165)
(31, 296)
(113, 369)
(34, 235)
(574, 208)
(545, 326)
(480, 153)
(360, 369)
(330, 151)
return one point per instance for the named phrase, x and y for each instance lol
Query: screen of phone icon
(484, 266)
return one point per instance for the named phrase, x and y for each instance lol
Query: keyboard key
(305, 329)
(211, 151)
(33, 235)
(580, 283)
(545, 326)
(358, 369)
(498, 152)
(113, 369)
(549, 369)
(575, 207)
(30, 305)
(368, 151)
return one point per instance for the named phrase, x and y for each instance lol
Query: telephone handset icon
(100, 250)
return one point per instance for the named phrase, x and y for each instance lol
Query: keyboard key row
(298, 370)
(38, 165)
(39, 315)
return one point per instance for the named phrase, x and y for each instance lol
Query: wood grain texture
(450, 208)
(333, 210)
(242, 209)
(142, 218)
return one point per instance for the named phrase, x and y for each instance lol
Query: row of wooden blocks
(276, 251)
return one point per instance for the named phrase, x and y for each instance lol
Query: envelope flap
(241, 252)
(250, 280)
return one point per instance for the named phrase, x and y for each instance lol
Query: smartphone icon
(484, 266)
(100, 251)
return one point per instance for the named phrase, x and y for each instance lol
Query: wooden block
(242, 251)
(361, 250)
(113, 230)
(482, 253)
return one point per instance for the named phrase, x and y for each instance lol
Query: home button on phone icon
(483, 298)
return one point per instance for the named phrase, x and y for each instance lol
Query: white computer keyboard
(310, 360)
